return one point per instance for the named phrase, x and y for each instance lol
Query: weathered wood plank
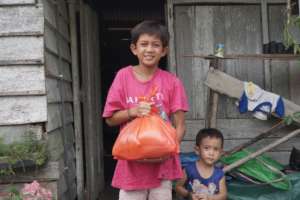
(55, 115)
(76, 103)
(54, 68)
(64, 49)
(236, 128)
(49, 10)
(93, 143)
(232, 87)
(53, 90)
(190, 71)
(242, 36)
(23, 110)
(50, 40)
(281, 156)
(14, 133)
(16, 2)
(294, 81)
(26, 19)
(279, 69)
(62, 9)
(21, 48)
(55, 145)
(49, 172)
(63, 29)
(22, 80)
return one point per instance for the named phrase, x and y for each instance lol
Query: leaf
(288, 120)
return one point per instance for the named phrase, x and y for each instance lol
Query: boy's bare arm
(179, 123)
(179, 187)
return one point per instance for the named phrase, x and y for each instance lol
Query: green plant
(289, 39)
(295, 117)
(29, 148)
(14, 194)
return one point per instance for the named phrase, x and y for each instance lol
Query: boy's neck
(204, 169)
(144, 73)
(146, 70)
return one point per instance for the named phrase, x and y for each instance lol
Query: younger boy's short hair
(152, 28)
(209, 132)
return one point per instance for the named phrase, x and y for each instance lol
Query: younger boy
(202, 180)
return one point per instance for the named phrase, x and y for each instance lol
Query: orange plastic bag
(146, 137)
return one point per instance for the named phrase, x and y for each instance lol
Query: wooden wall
(23, 100)
(197, 27)
(60, 126)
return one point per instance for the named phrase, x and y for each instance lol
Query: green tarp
(238, 190)
(262, 168)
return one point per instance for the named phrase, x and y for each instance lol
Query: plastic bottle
(220, 50)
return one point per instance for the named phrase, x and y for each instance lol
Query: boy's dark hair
(152, 28)
(209, 132)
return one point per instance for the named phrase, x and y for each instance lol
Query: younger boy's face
(149, 50)
(210, 150)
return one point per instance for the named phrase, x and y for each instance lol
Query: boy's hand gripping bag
(146, 137)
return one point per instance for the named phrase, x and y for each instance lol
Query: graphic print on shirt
(157, 98)
(200, 188)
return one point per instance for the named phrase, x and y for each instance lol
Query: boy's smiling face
(149, 50)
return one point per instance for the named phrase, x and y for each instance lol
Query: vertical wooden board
(55, 145)
(280, 78)
(242, 128)
(63, 28)
(243, 36)
(51, 64)
(63, 10)
(55, 114)
(64, 50)
(294, 80)
(65, 69)
(54, 117)
(25, 19)
(15, 133)
(53, 90)
(22, 80)
(49, 12)
(203, 43)
(23, 110)
(279, 69)
(89, 29)
(192, 128)
(54, 67)
(185, 20)
(51, 39)
(16, 2)
(21, 48)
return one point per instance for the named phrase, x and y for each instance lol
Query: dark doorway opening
(116, 20)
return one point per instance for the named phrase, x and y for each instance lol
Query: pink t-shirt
(123, 94)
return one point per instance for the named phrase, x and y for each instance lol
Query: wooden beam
(232, 87)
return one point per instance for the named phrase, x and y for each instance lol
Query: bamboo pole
(261, 151)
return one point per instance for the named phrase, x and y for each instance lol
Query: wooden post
(76, 100)
(213, 98)
(261, 151)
